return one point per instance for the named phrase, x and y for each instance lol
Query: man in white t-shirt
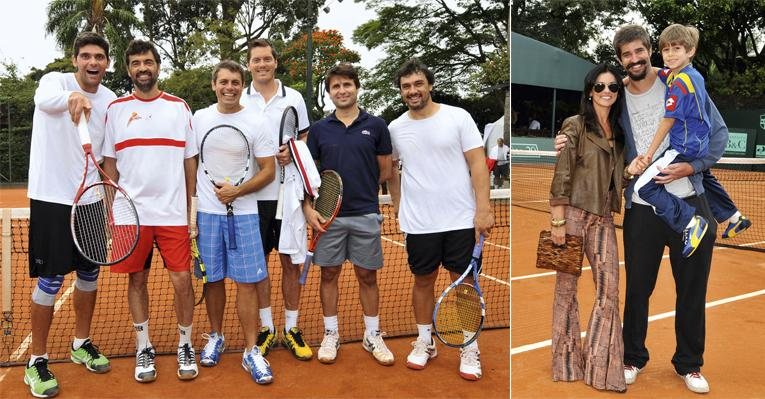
(267, 97)
(150, 148)
(245, 265)
(443, 202)
(56, 162)
(501, 154)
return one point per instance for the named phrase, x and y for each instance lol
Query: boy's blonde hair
(688, 36)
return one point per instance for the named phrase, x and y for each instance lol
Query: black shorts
(270, 227)
(51, 247)
(453, 249)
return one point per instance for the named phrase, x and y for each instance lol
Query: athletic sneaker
(89, 355)
(695, 382)
(470, 364)
(144, 365)
(42, 383)
(266, 340)
(187, 363)
(329, 346)
(375, 345)
(737, 228)
(293, 339)
(215, 345)
(630, 373)
(420, 355)
(692, 235)
(257, 365)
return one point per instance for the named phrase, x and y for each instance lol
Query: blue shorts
(246, 263)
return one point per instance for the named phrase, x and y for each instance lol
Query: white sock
(735, 217)
(423, 333)
(290, 319)
(77, 343)
(372, 324)
(35, 357)
(142, 335)
(330, 323)
(266, 319)
(184, 332)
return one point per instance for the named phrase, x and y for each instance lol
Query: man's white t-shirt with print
(436, 190)
(271, 114)
(150, 139)
(56, 157)
(260, 146)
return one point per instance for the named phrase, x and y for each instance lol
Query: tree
(452, 37)
(16, 109)
(328, 50)
(192, 85)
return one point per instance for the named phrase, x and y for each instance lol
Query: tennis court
(735, 300)
(115, 336)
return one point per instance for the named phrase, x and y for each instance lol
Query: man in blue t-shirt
(357, 146)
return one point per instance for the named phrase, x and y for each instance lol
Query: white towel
(292, 238)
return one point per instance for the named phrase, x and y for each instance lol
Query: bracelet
(627, 175)
(557, 222)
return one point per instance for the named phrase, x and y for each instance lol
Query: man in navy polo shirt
(356, 145)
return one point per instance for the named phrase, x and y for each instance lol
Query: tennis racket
(200, 274)
(460, 310)
(225, 157)
(103, 220)
(328, 205)
(287, 128)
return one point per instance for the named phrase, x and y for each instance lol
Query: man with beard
(150, 148)
(55, 172)
(444, 200)
(646, 235)
(357, 146)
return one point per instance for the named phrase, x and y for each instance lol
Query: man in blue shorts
(246, 264)
(356, 145)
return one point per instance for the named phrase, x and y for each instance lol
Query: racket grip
(478, 247)
(306, 266)
(231, 233)
(82, 129)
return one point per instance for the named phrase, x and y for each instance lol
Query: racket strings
(459, 315)
(225, 155)
(330, 190)
(105, 224)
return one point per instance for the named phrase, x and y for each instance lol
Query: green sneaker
(89, 355)
(41, 381)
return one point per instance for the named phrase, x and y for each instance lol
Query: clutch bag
(565, 258)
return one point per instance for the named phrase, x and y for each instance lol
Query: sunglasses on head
(612, 87)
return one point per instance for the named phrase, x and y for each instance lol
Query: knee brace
(46, 289)
(87, 281)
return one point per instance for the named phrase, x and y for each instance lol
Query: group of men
(149, 142)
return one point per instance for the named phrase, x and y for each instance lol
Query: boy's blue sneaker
(737, 228)
(257, 366)
(215, 345)
(692, 235)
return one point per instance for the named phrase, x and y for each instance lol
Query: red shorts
(173, 244)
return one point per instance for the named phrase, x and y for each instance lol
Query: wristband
(557, 223)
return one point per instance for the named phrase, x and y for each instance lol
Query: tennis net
(112, 328)
(742, 178)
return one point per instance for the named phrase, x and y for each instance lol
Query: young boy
(687, 123)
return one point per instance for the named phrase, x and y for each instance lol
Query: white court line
(546, 343)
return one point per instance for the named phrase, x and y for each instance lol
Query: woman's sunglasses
(612, 87)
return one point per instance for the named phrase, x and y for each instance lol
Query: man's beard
(145, 87)
(640, 76)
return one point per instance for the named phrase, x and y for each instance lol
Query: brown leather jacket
(587, 169)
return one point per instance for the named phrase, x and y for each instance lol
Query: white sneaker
(329, 346)
(144, 365)
(420, 355)
(695, 382)
(375, 345)
(187, 363)
(470, 363)
(630, 373)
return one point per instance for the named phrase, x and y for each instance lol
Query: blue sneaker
(737, 228)
(257, 366)
(692, 235)
(215, 345)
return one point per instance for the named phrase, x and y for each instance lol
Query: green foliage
(192, 85)
(16, 110)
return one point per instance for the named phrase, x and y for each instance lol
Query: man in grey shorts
(356, 145)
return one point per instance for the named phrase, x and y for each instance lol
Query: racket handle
(82, 129)
(231, 233)
(478, 247)
(306, 266)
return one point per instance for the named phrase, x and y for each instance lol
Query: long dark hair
(587, 111)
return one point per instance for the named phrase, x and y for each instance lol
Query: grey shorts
(355, 238)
